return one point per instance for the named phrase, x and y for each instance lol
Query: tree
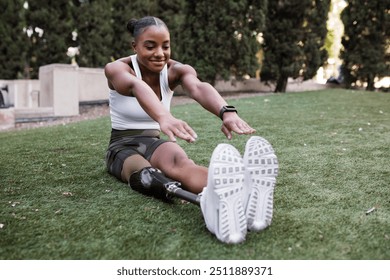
(50, 24)
(13, 45)
(294, 40)
(219, 38)
(315, 31)
(366, 42)
(93, 26)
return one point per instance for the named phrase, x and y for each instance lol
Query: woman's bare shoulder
(121, 64)
(178, 68)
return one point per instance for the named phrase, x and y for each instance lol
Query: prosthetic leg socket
(150, 181)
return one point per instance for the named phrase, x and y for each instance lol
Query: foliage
(294, 40)
(366, 41)
(51, 24)
(13, 45)
(94, 32)
(315, 30)
(219, 38)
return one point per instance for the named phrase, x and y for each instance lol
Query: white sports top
(127, 113)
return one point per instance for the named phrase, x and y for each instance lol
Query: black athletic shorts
(125, 143)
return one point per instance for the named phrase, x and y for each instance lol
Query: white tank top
(127, 113)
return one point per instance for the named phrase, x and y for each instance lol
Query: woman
(140, 94)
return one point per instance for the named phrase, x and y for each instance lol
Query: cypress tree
(294, 40)
(13, 40)
(94, 32)
(50, 23)
(315, 31)
(248, 26)
(219, 38)
(366, 42)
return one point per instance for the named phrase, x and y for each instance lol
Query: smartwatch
(225, 109)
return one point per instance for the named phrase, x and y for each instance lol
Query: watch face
(230, 109)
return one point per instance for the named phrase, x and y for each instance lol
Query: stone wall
(61, 88)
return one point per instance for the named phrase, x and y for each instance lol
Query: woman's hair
(137, 26)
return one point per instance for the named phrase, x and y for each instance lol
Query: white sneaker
(221, 200)
(261, 169)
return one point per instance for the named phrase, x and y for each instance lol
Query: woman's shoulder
(177, 72)
(122, 61)
(121, 64)
(177, 68)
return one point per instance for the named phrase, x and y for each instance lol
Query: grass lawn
(333, 146)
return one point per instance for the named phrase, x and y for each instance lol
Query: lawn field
(57, 202)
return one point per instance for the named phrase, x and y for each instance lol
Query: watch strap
(225, 109)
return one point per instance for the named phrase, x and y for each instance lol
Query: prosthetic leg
(150, 181)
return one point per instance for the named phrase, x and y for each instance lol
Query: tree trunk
(281, 84)
(370, 83)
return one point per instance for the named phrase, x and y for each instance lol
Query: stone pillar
(59, 89)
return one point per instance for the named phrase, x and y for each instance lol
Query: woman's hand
(173, 128)
(233, 123)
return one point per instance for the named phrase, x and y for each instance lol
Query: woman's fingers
(170, 135)
(178, 128)
(244, 128)
(186, 133)
(238, 126)
(226, 131)
(190, 131)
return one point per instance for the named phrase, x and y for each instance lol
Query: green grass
(333, 146)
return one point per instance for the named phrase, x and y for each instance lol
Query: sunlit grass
(58, 202)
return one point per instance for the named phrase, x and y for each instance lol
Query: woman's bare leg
(172, 160)
(133, 164)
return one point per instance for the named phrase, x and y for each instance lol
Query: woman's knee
(182, 160)
(171, 157)
(133, 164)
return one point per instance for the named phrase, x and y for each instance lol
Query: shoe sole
(261, 170)
(226, 172)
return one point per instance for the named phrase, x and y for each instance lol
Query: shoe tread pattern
(228, 176)
(261, 170)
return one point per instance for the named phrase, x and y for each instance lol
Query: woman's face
(153, 48)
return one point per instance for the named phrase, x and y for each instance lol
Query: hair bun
(131, 25)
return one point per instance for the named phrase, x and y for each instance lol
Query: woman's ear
(133, 46)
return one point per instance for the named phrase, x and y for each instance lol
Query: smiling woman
(141, 89)
(153, 47)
